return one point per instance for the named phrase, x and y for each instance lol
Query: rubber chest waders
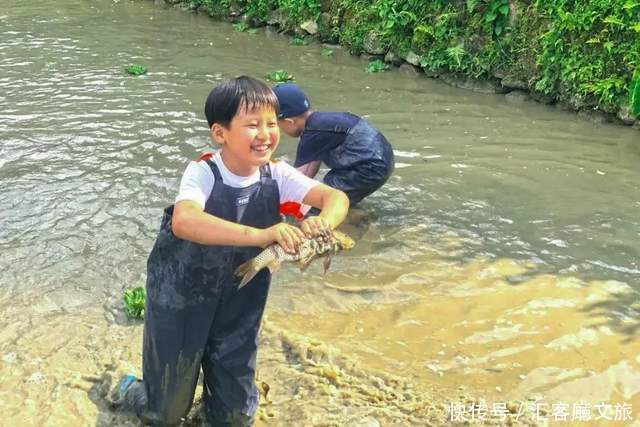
(361, 164)
(195, 315)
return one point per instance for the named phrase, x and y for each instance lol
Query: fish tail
(247, 270)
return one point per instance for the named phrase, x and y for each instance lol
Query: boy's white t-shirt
(198, 180)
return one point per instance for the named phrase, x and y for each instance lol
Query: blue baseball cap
(292, 100)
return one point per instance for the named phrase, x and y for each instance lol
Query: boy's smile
(249, 141)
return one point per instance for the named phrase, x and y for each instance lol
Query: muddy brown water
(499, 264)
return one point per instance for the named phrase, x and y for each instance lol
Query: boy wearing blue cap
(359, 157)
(228, 208)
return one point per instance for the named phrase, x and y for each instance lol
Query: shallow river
(502, 259)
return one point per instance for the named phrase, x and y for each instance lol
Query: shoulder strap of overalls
(265, 173)
(322, 126)
(215, 170)
(265, 170)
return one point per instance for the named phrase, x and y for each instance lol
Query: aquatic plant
(134, 302)
(136, 69)
(327, 52)
(377, 66)
(299, 41)
(241, 27)
(280, 76)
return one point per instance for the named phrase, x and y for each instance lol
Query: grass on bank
(579, 52)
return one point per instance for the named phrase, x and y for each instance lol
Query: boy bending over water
(359, 157)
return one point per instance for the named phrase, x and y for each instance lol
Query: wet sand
(402, 352)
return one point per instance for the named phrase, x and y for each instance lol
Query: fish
(311, 248)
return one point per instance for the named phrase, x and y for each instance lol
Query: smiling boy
(226, 210)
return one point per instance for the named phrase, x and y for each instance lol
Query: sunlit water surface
(501, 257)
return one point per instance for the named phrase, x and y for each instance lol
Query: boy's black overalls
(195, 315)
(362, 163)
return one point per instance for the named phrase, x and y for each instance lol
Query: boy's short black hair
(226, 99)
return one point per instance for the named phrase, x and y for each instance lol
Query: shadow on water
(103, 392)
(622, 311)
(103, 395)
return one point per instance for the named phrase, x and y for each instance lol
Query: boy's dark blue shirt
(323, 132)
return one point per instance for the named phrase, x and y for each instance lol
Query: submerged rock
(408, 68)
(481, 86)
(517, 96)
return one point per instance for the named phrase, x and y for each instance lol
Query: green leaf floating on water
(134, 302)
(280, 76)
(136, 69)
(377, 66)
(299, 41)
(241, 27)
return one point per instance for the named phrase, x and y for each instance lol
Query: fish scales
(311, 248)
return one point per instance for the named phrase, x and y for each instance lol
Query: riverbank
(584, 57)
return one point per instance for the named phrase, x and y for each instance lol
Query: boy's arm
(333, 204)
(190, 222)
(310, 169)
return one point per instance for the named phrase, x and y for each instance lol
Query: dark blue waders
(361, 164)
(195, 315)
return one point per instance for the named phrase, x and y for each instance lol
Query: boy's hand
(287, 236)
(315, 226)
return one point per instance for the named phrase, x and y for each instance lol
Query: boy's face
(250, 140)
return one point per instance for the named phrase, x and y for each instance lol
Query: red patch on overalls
(205, 156)
(292, 209)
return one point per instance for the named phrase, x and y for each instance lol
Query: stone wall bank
(581, 56)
